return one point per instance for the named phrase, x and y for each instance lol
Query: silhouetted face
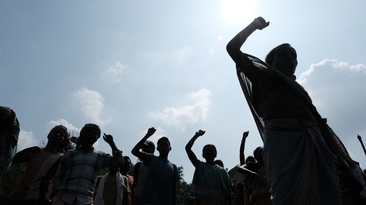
(285, 59)
(164, 147)
(57, 136)
(89, 137)
(209, 153)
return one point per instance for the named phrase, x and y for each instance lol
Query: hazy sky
(131, 65)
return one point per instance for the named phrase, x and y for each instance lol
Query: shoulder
(249, 69)
(175, 168)
(199, 162)
(148, 159)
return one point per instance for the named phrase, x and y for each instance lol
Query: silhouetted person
(128, 181)
(250, 160)
(41, 167)
(225, 177)
(78, 169)
(255, 182)
(110, 188)
(208, 184)
(299, 147)
(9, 133)
(140, 172)
(161, 176)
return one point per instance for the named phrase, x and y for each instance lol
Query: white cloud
(188, 115)
(92, 106)
(337, 90)
(116, 71)
(26, 139)
(74, 131)
(333, 68)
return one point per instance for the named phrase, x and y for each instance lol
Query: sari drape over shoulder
(332, 140)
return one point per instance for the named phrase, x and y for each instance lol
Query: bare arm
(242, 146)
(136, 150)
(117, 154)
(233, 47)
(192, 157)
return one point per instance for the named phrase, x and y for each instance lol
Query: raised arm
(233, 47)
(117, 154)
(136, 150)
(192, 157)
(242, 147)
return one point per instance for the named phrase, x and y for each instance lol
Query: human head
(127, 165)
(250, 159)
(148, 147)
(283, 57)
(258, 154)
(89, 134)
(219, 162)
(209, 152)
(164, 146)
(90, 126)
(58, 136)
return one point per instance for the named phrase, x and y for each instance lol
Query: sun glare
(238, 11)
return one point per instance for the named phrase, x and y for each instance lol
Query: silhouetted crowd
(302, 160)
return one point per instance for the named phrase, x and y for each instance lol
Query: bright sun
(238, 11)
